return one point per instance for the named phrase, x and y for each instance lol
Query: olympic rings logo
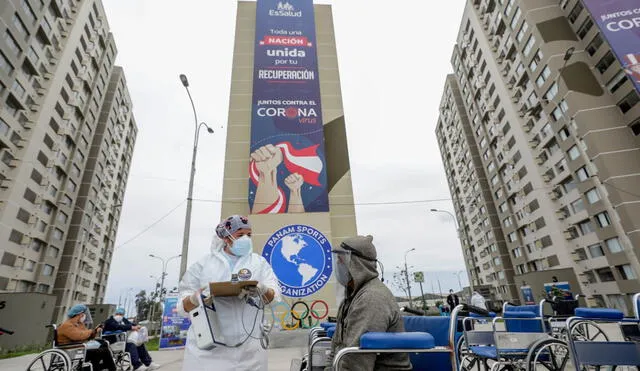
(293, 316)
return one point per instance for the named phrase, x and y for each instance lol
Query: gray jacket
(369, 306)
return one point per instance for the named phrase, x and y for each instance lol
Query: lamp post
(459, 282)
(164, 271)
(406, 276)
(187, 221)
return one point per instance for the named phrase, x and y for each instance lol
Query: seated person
(139, 354)
(74, 330)
(369, 306)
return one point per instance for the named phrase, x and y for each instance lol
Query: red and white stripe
(305, 162)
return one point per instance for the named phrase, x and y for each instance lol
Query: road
(171, 360)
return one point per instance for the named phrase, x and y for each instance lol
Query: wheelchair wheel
(461, 349)
(548, 354)
(123, 361)
(587, 331)
(51, 360)
(470, 363)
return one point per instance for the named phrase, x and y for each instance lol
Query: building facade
(339, 221)
(66, 140)
(539, 135)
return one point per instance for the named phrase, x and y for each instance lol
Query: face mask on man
(118, 318)
(342, 273)
(83, 317)
(241, 246)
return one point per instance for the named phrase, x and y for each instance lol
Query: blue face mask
(241, 246)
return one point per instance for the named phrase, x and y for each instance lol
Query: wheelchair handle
(476, 310)
(412, 311)
(5, 331)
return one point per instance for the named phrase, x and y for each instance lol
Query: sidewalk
(171, 360)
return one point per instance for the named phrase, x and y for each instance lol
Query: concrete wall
(26, 314)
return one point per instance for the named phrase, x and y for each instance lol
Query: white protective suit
(477, 300)
(236, 316)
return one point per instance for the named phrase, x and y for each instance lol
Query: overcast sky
(393, 58)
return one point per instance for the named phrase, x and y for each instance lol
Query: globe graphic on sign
(297, 260)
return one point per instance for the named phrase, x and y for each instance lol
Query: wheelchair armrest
(107, 333)
(74, 345)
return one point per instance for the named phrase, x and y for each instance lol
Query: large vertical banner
(619, 22)
(174, 328)
(287, 169)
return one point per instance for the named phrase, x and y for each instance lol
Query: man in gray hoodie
(369, 306)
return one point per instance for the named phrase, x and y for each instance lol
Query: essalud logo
(285, 10)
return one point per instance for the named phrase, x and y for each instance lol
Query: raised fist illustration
(267, 158)
(294, 181)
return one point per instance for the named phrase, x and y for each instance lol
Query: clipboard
(222, 289)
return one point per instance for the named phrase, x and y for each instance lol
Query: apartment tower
(66, 139)
(539, 134)
(286, 98)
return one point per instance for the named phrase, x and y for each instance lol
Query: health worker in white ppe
(231, 253)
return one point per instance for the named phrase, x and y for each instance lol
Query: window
(546, 72)
(516, 18)
(573, 152)
(71, 186)
(501, 275)
(613, 244)
(585, 27)
(512, 237)
(19, 25)
(595, 251)
(47, 270)
(593, 46)
(495, 180)
(629, 101)
(535, 61)
(29, 265)
(583, 174)
(496, 261)
(61, 217)
(23, 215)
(575, 12)
(507, 221)
(517, 252)
(41, 226)
(523, 30)
(605, 62)
(635, 128)
(552, 92)
(585, 227)
(30, 195)
(592, 195)
(5, 65)
(577, 206)
(569, 185)
(53, 252)
(564, 134)
(603, 219)
(36, 245)
(627, 272)
(617, 81)
(18, 89)
(27, 9)
(57, 234)
(12, 44)
(529, 45)
(504, 207)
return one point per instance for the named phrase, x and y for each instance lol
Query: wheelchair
(72, 357)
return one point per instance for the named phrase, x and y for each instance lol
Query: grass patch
(153, 344)
(20, 353)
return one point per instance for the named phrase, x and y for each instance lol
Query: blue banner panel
(174, 329)
(619, 22)
(287, 172)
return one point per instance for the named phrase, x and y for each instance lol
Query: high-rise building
(286, 104)
(538, 133)
(66, 140)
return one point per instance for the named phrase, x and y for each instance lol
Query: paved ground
(171, 360)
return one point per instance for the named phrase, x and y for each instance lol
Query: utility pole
(419, 277)
(406, 276)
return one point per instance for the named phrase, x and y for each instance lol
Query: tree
(143, 305)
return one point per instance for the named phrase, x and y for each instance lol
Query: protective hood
(362, 270)
(217, 244)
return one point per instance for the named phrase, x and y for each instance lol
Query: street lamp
(164, 270)
(458, 275)
(187, 222)
(406, 276)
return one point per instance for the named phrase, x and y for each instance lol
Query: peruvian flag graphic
(305, 162)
